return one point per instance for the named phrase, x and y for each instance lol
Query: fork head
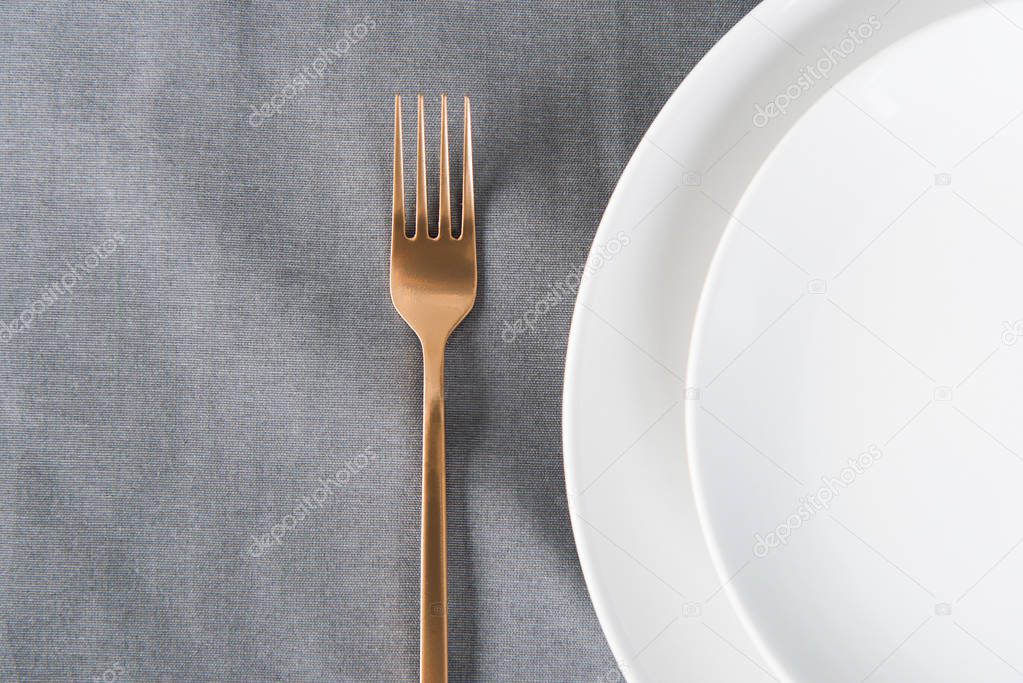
(433, 279)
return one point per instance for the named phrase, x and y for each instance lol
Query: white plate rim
(725, 51)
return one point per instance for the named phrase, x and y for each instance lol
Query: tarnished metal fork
(433, 287)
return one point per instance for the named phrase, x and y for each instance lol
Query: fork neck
(433, 370)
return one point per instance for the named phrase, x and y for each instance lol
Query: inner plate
(855, 437)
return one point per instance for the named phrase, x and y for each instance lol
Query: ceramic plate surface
(791, 410)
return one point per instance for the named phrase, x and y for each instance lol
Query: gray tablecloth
(210, 411)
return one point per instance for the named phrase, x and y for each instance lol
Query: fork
(433, 288)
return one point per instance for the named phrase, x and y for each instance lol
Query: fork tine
(444, 221)
(398, 205)
(468, 200)
(422, 209)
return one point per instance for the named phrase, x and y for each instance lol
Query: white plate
(922, 97)
(873, 317)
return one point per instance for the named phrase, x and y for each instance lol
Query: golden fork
(433, 287)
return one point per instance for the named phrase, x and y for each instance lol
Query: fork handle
(433, 619)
